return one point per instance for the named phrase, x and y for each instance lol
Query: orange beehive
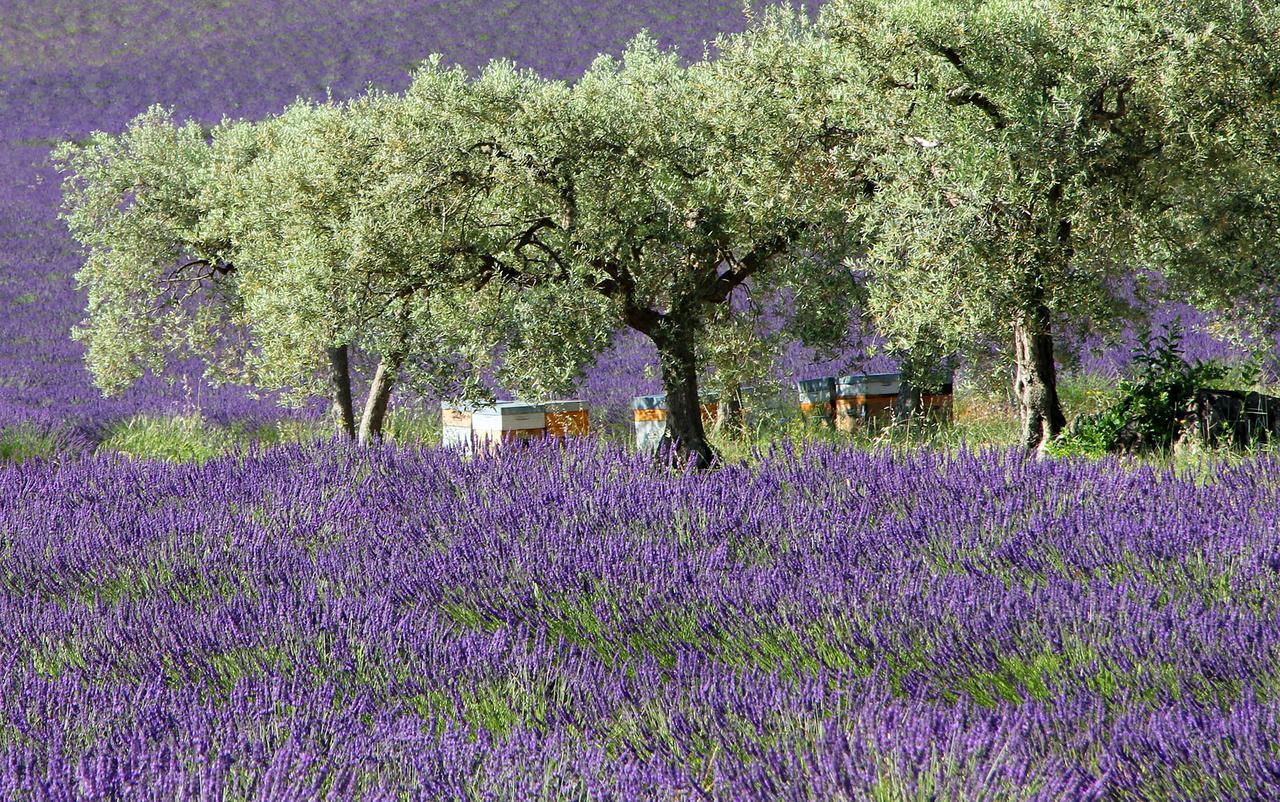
(566, 418)
(865, 398)
(709, 406)
(937, 405)
(816, 399)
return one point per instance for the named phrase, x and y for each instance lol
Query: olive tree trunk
(340, 391)
(676, 356)
(375, 407)
(1035, 379)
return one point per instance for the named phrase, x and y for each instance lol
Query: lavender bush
(317, 622)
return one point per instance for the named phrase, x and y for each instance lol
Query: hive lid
(649, 401)
(507, 408)
(816, 387)
(568, 405)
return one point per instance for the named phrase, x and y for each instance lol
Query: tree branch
(965, 95)
(1098, 111)
(750, 263)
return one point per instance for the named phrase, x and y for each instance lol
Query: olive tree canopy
(1024, 150)
(160, 279)
(651, 192)
(1217, 237)
(270, 249)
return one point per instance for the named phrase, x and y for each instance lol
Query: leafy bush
(1149, 408)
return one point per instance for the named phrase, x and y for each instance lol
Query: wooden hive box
(566, 418)
(817, 399)
(865, 397)
(455, 425)
(507, 422)
(649, 414)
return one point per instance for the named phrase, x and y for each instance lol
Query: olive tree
(657, 190)
(161, 282)
(342, 257)
(180, 260)
(1016, 142)
(1217, 237)
(295, 239)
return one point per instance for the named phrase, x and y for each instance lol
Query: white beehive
(455, 425)
(650, 414)
(506, 422)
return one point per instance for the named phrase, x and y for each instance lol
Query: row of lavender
(581, 623)
(68, 68)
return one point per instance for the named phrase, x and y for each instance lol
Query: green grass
(980, 417)
(186, 438)
(190, 438)
(413, 427)
(23, 442)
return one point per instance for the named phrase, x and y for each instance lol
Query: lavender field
(813, 621)
(311, 623)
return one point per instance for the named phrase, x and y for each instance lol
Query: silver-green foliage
(1216, 232)
(156, 273)
(658, 190)
(1008, 135)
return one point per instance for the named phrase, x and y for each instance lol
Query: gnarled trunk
(340, 391)
(1035, 380)
(375, 408)
(676, 356)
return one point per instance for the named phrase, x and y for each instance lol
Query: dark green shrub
(1148, 411)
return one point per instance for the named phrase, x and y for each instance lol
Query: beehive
(938, 403)
(649, 413)
(864, 398)
(505, 422)
(817, 397)
(709, 406)
(566, 418)
(455, 425)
